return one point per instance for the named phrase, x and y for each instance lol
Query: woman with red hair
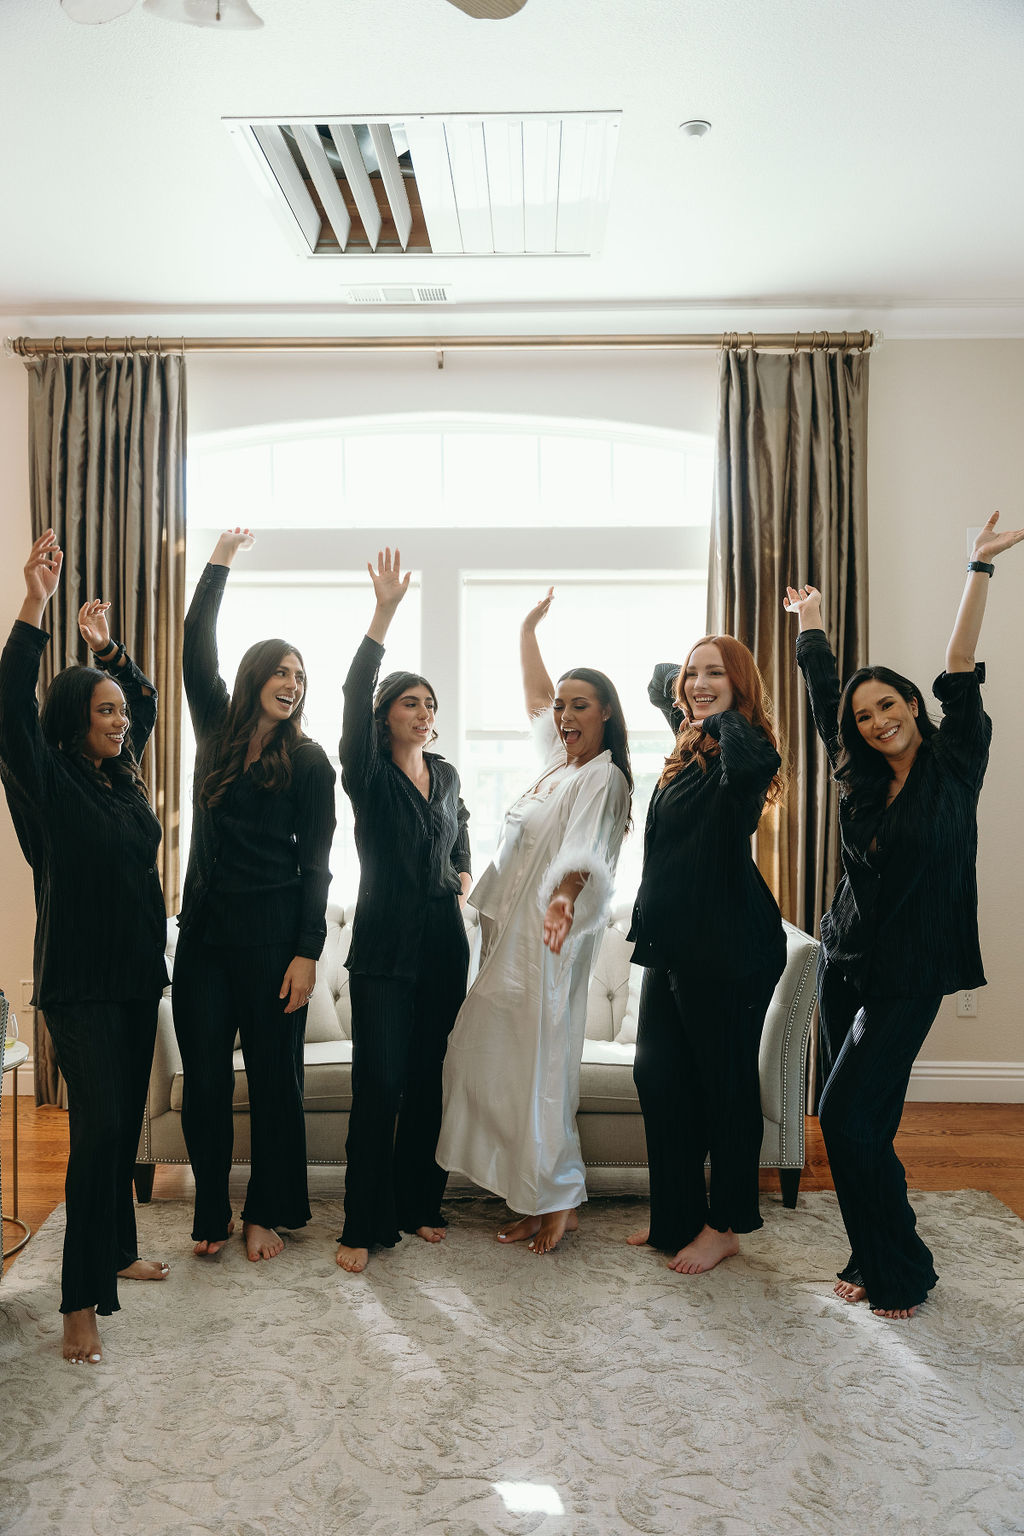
(708, 930)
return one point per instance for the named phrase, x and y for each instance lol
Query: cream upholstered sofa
(609, 1120)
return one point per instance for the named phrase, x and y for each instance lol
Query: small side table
(15, 1055)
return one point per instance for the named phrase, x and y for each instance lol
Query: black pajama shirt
(708, 930)
(98, 962)
(902, 931)
(407, 963)
(255, 898)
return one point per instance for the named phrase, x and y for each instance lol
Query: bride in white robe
(512, 1068)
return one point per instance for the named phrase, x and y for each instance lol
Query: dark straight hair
(616, 739)
(862, 772)
(255, 669)
(66, 719)
(389, 689)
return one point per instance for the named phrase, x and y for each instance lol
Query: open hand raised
(989, 543)
(539, 611)
(389, 585)
(229, 543)
(805, 602)
(92, 624)
(43, 567)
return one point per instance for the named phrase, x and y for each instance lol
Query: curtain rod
(811, 341)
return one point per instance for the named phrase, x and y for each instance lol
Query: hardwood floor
(943, 1146)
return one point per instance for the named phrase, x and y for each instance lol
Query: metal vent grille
(450, 186)
(393, 295)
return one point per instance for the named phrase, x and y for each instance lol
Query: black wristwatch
(981, 565)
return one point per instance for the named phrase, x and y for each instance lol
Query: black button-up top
(101, 930)
(258, 867)
(703, 908)
(904, 918)
(411, 849)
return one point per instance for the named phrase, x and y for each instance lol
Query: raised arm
(23, 751)
(538, 689)
(389, 587)
(111, 657)
(358, 750)
(967, 627)
(818, 665)
(205, 689)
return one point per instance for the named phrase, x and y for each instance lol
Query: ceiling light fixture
(232, 15)
(696, 128)
(236, 15)
(488, 10)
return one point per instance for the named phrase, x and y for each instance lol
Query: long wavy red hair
(750, 698)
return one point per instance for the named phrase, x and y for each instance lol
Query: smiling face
(885, 719)
(281, 694)
(108, 723)
(706, 686)
(580, 717)
(410, 718)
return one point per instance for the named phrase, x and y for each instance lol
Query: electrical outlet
(26, 994)
(967, 1004)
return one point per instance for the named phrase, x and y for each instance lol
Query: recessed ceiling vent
(394, 295)
(536, 185)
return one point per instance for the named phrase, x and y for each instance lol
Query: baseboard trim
(26, 1080)
(967, 1082)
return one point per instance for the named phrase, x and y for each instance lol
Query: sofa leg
(789, 1179)
(144, 1174)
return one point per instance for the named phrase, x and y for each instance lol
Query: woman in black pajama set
(708, 930)
(252, 921)
(86, 827)
(409, 955)
(902, 930)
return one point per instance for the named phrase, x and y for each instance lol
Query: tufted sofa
(609, 1120)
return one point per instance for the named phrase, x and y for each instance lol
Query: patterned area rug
(469, 1389)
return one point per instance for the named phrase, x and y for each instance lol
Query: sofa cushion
(606, 1079)
(328, 1078)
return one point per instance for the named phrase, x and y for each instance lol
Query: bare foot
(432, 1234)
(525, 1227)
(82, 1338)
(638, 1239)
(708, 1248)
(261, 1242)
(847, 1291)
(204, 1250)
(553, 1227)
(898, 1314)
(354, 1260)
(144, 1269)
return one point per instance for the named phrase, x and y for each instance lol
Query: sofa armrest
(166, 1060)
(784, 1041)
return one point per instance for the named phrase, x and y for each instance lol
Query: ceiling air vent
(534, 185)
(392, 295)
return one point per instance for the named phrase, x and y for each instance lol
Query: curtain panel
(791, 508)
(107, 473)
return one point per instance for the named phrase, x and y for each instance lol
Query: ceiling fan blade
(96, 10)
(489, 10)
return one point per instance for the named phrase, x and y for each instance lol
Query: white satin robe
(512, 1068)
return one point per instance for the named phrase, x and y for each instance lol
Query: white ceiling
(864, 167)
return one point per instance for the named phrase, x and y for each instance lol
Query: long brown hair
(749, 698)
(256, 667)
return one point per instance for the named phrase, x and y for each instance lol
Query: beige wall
(944, 452)
(944, 428)
(16, 908)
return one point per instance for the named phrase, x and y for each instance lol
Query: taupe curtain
(107, 473)
(790, 508)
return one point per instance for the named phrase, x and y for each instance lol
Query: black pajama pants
(221, 990)
(105, 1054)
(696, 1073)
(868, 1048)
(400, 1029)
